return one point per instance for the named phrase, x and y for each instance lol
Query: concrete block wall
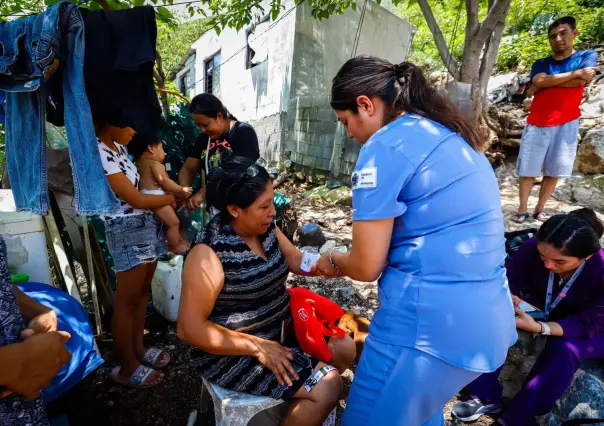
(271, 131)
(311, 126)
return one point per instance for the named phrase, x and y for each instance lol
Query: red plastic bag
(314, 317)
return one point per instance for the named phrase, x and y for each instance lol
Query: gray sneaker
(473, 408)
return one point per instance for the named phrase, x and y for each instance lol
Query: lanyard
(549, 306)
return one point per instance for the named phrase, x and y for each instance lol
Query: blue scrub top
(444, 289)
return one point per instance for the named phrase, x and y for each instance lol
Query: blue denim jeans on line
(32, 49)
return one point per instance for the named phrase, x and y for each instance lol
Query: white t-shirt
(119, 162)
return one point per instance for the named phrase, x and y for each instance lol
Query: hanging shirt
(581, 312)
(443, 290)
(558, 105)
(241, 141)
(119, 162)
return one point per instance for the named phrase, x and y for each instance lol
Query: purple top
(581, 312)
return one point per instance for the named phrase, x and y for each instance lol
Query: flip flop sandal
(520, 217)
(151, 357)
(138, 379)
(541, 216)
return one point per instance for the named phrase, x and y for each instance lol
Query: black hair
(209, 105)
(230, 184)
(576, 234)
(402, 87)
(140, 147)
(565, 20)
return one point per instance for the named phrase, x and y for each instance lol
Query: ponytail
(209, 105)
(402, 88)
(576, 234)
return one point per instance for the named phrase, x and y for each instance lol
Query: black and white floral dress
(14, 410)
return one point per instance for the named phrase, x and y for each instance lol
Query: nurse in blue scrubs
(427, 223)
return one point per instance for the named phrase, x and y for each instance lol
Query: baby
(155, 181)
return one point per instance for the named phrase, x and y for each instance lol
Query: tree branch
(497, 11)
(161, 83)
(472, 11)
(490, 56)
(439, 39)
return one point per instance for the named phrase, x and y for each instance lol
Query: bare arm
(188, 171)
(525, 322)
(120, 185)
(577, 82)
(202, 281)
(543, 81)
(369, 253)
(291, 254)
(163, 180)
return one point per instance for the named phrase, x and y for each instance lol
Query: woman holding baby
(135, 240)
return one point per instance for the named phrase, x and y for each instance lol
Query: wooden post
(91, 279)
(61, 256)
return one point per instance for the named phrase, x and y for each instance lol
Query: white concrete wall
(250, 93)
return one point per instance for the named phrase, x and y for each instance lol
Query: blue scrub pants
(401, 386)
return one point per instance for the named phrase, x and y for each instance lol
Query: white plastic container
(25, 240)
(166, 287)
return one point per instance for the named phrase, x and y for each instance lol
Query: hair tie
(399, 74)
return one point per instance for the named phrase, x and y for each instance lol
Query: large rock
(590, 157)
(311, 235)
(586, 191)
(589, 192)
(584, 399)
(323, 195)
(593, 107)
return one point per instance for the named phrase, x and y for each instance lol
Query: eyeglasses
(253, 170)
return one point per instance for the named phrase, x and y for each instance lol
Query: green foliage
(424, 52)
(20, 8)
(525, 36)
(174, 42)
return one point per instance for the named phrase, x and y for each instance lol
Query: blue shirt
(578, 60)
(444, 289)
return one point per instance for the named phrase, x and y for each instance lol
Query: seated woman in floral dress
(234, 301)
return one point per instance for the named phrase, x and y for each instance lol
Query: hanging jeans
(32, 50)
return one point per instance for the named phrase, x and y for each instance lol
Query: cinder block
(309, 161)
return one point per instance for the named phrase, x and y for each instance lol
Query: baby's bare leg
(168, 216)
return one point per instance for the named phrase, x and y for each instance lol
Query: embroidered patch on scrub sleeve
(364, 178)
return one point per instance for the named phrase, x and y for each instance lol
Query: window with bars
(212, 75)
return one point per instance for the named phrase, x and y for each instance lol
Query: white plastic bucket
(25, 240)
(166, 287)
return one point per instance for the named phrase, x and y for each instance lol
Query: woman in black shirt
(221, 132)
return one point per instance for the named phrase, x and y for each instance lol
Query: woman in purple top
(566, 262)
